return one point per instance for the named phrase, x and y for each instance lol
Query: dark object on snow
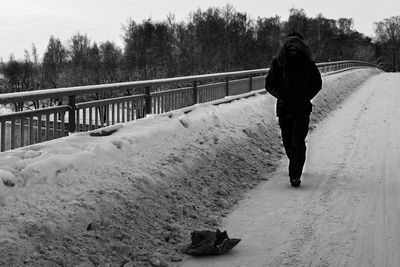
(8, 183)
(210, 243)
(103, 132)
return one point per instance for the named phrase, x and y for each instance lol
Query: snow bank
(336, 88)
(4, 110)
(142, 187)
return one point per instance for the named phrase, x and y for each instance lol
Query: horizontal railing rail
(82, 113)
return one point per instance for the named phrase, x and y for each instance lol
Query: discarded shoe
(210, 243)
(295, 182)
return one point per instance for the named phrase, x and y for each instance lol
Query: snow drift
(133, 197)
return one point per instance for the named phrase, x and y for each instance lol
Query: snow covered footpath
(346, 211)
(133, 197)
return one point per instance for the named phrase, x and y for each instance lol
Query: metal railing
(28, 127)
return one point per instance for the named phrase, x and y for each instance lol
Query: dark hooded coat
(294, 81)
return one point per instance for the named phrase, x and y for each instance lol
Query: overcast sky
(23, 22)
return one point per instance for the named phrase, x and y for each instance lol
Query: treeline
(209, 41)
(388, 43)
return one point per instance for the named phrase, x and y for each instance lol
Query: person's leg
(299, 133)
(286, 125)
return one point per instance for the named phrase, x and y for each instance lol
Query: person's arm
(272, 80)
(316, 81)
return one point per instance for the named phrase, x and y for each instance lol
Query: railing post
(250, 82)
(226, 86)
(195, 93)
(3, 135)
(148, 100)
(71, 114)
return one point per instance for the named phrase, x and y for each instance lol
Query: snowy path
(347, 210)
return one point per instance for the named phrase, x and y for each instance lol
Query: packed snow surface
(134, 196)
(346, 212)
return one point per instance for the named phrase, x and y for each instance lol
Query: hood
(299, 44)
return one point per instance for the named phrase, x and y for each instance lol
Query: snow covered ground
(134, 196)
(4, 110)
(346, 212)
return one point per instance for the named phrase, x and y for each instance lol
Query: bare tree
(388, 34)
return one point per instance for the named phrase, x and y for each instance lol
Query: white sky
(23, 22)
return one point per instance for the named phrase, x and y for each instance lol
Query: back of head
(295, 34)
(294, 49)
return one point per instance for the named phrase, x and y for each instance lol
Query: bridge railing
(91, 107)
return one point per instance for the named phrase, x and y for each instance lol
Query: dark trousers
(294, 131)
